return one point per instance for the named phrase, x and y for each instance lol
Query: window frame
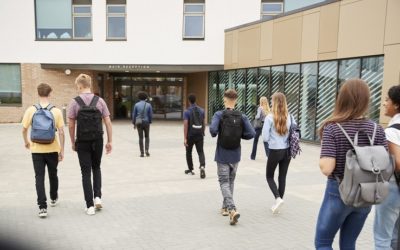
(20, 87)
(116, 15)
(270, 13)
(201, 14)
(81, 15)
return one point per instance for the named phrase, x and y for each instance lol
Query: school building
(304, 48)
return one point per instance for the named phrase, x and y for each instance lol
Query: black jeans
(255, 143)
(144, 129)
(281, 157)
(198, 142)
(40, 160)
(89, 154)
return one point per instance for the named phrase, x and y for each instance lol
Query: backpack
(195, 122)
(43, 126)
(294, 139)
(89, 120)
(366, 174)
(231, 129)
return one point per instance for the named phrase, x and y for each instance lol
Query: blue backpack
(43, 126)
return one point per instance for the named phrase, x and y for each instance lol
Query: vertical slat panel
(292, 82)
(372, 73)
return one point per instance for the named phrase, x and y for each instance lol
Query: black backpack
(231, 129)
(195, 122)
(89, 120)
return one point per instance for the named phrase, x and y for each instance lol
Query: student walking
(349, 112)
(276, 133)
(231, 126)
(47, 149)
(142, 115)
(193, 132)
(387, 213)
(262, 111)
(87, 111)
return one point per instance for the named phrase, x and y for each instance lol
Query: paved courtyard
(150, 204)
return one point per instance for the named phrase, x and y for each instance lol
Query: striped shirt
(335, 144)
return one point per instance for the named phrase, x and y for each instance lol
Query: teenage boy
(231, 126)
(88, 111)
(45, 146)
(193, 132)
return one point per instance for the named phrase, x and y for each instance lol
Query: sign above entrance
(129, 66)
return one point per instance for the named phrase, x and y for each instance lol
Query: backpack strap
(144, 109)
(374, 134)
(50, 107)
(37, 106)
(79, 100)
(94, 101)
(395, 126)
(345, 134)
(371, 140)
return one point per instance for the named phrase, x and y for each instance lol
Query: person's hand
(61, 155)
(185, 142)
(108, 148)
(27, 145)
(73, 147)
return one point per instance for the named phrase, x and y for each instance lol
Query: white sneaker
(42, 213)
(53, 203)
(97, 203)
(90, 211)
(278, 204)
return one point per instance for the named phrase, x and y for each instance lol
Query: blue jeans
(386, 215)
(335, 215)
(255, 143)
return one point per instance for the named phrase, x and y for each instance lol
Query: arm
(107, 122)
(395, 151)
(185, 131)
(25, 137)
(266, 130)
(150, 113)
(258, 115)
(248, 132)
(61, 135)
(134, 115)
(71, 128)
(214, 126)
(327, 165)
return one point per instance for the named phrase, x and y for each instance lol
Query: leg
(96, 161)
(140, 133)
(147, 137)
(331, 216)
(255, 142)
(223, 178)
(39, 164)
(272, 163)
(52, 163)
(283, 169)
(199, 148)
(352, 227)
(189, 159)
(386, 215)
(232, 176)
(396, 232)
(85, 161)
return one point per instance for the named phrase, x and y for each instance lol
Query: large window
(292, 78)
(193, 19)
(271, 8)
(63, 19)
(116, 19)
(10, 84)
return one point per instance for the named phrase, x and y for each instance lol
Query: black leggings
(281, 157)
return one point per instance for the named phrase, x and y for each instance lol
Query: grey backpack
(366, 174)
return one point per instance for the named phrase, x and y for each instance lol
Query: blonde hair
(264, 105)
(84, 80)
(280, 112)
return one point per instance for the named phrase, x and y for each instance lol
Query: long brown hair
(280, 112)
(352, 103)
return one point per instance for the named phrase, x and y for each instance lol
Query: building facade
(307, 54)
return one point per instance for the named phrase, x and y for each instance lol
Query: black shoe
(147, 154)
(189, 172)
(202, 172)
(141, 155)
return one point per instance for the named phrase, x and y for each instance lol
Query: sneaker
(202, 172)
(147, 154)
(189, 172)
(43, 213)
(90, 211)
(224, 211)
(233, 217)
(278, 205)
(53, 203)
(141, 155)
(97, 203)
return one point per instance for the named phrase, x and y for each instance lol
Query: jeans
(281, 157)
(226, 178)
(199, 143)
(144, 129)
(386, 216)
(40, 160)
(89, 154)
(335, 215)
(255, 143)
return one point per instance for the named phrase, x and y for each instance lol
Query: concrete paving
(150, 204)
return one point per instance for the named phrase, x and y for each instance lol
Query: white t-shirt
(393, 134)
